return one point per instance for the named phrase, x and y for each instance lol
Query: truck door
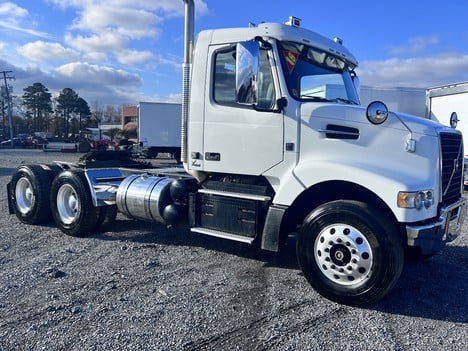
(240, 138)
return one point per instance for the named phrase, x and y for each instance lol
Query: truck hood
(344, 113)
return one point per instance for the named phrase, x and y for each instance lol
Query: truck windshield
(315, 75)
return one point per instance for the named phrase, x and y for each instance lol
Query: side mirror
(377, 112)
(247, 62)
(454, 120)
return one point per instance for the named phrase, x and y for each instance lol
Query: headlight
(415, 199)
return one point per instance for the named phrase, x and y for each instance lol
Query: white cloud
(15, 18)
(130, 57)
(106, 41)
(103, 25)
(79, 72)
(12, 10)
(415, 72)
(415, 45)
(40, 50)
(170, 7)
(132, 23)
(102, 34)
(95, 56)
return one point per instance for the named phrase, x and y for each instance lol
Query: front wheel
(350, 252)
(72, 206)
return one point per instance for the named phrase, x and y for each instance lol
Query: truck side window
(225, 79)
(266, 91)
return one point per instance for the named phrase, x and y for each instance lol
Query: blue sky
(126, 51)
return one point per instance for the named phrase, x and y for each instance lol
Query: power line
(7, 93)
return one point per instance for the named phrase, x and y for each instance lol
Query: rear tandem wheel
(72, 206)
(29, 192)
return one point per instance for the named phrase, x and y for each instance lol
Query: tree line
(61, 117)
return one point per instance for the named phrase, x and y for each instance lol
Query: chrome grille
(452, 165)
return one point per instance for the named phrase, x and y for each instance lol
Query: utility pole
(7, 95)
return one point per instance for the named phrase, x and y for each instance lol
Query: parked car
(36, 142)
(17, 142)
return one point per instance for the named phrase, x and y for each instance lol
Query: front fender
(383, 180)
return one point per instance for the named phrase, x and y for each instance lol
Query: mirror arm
(281, 103)
(265, 44)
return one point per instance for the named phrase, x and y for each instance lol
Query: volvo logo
(456, 165)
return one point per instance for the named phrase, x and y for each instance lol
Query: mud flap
(10, 204)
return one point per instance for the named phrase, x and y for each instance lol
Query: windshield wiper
(314, 98)
(346, 101)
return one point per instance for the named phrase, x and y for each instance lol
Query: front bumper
(430, 238)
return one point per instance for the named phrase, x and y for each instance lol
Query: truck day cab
(274, 142)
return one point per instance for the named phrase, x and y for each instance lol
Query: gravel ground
(142, 286)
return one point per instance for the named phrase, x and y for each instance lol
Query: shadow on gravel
(158, 234)
(436, 288)
(6, 172)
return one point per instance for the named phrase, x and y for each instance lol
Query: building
(129, 114)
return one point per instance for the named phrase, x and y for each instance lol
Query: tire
(30, 191)
(151, 153)
(177, 156)
(107, 216)
(72, 206)
(350, 254)
(84, 146)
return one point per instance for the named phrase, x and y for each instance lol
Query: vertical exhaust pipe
(186, 72)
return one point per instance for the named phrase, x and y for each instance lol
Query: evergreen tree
(38, 102)
(82, 108)
(67, 105)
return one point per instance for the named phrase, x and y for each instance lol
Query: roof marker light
(338, 40)
(293, 21)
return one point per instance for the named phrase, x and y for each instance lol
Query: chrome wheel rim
(24, 194)
(68, 204)
(344, 255)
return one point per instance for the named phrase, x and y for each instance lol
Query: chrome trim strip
(222, 235)
(338, 132)
(235, 195)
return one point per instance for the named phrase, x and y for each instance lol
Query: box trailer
(159, 128)
(448, 104)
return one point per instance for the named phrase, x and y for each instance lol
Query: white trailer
(159, 128)
(402, 99)
(448, 105)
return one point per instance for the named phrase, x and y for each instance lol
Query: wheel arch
(324, 192)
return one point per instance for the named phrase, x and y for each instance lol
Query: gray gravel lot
(142, 286)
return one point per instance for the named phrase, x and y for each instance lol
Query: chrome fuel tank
(144, 197)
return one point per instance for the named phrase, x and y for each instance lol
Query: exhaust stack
(186, 70)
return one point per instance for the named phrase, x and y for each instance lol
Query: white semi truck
(159, 128)
(274, 141)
